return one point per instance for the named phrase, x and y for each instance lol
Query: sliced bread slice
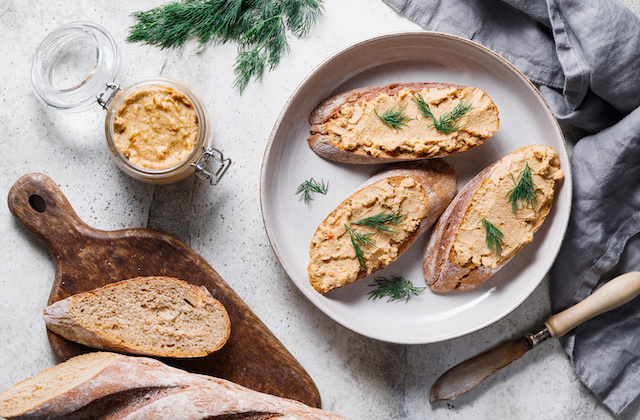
(154, 316)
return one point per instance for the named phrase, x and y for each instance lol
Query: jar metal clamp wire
(200, 167)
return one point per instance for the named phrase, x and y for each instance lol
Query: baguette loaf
(463, 250)
(155, 316)
(347, 127)
(412, 194)
(112, 386)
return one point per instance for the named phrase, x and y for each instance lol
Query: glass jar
(75, 67)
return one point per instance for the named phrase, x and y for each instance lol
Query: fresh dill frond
(311, 186)
(358, 239)
(524, 190)
(493, 238)
(378, 221)
(423, 106)
(259, 27)
(398, 288)
(393, 118)
(448, 122)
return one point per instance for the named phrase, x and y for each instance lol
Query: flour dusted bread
(347, 127)
(156, 316)
(486, 224)
(410, 197)
(112, 386)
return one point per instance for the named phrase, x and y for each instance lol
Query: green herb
(377, 221)
(524, 190)
(358, 239)
(494, 238)
(448, 122)
(396, 289)
(258, 26)
(311, 186)
(393, 118)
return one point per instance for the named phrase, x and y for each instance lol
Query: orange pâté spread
(156, 127)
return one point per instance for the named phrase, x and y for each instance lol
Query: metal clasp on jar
(111, 90)
(213, 177)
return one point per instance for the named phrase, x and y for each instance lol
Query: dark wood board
(87, 258)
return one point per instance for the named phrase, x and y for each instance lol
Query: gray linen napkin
(585, 56)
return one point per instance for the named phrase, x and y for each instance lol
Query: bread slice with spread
(376, 224)
(491, 219)
(401, 121)
(153, 316)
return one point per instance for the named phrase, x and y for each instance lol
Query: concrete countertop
(357, 377)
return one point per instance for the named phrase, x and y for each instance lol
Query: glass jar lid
(72, 66)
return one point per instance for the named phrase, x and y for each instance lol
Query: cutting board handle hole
(37, 203)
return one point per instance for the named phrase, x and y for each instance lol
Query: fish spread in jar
(156, 127)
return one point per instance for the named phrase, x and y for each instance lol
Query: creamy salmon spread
(156, 127)
(357, 126)
(334, 262)
(491, 203)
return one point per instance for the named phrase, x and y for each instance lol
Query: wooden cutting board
(87, 258)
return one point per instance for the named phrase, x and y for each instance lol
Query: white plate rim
(314, 297)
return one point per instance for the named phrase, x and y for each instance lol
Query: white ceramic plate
(409, 57)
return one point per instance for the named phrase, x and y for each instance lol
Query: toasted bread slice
(464, 250)
(410, 197)
(349, 127)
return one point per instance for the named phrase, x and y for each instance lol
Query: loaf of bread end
(439, 119)
(153, 316)
(112, 386)
(409, 196)
(487, 224)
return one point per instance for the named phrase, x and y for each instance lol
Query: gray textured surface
(357, 377)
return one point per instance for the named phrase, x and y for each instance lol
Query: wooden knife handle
(614, 293)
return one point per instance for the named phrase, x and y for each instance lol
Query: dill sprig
(393, 118)
(358, 239)
(494, 238)
(378, 221)
(524, 190)
(448, 122)
(311, 186)
(398, 288)
(259, 27)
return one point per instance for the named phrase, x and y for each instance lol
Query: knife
(467, 375)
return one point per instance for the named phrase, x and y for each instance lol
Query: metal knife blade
(467, 375)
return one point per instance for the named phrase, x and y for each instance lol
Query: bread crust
(438, 180)
(330, 108)
(125, 387)
(59, 318)
(441, 273)
(440, 270)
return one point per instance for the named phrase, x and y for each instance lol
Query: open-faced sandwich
(376, 224)
(401, 121)
(491, 219)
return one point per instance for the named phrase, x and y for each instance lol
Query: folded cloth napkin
(585, 56)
